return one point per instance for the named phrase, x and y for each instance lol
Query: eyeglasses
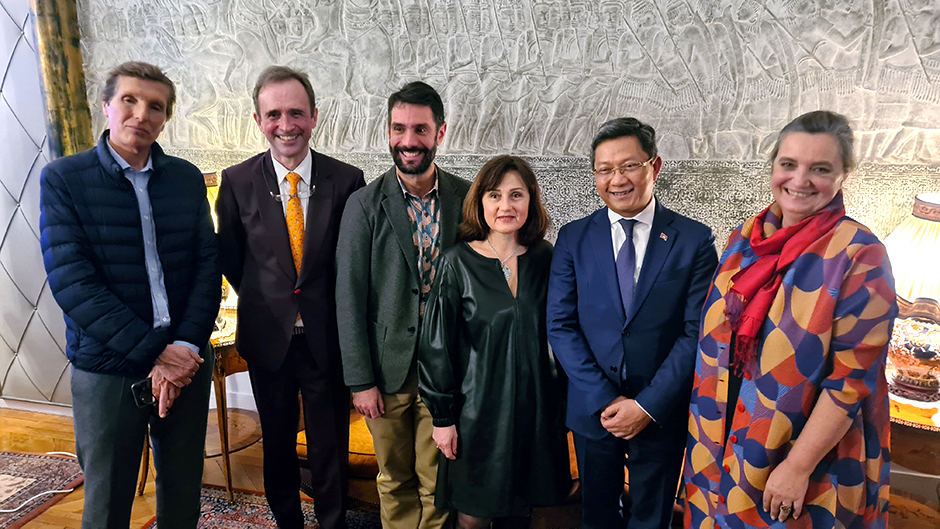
(302, 195)
(627, 168)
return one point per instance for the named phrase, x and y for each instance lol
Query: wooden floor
(23, 431)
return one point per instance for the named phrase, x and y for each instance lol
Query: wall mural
(716, 79)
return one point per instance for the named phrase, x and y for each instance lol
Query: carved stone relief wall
(716, 78)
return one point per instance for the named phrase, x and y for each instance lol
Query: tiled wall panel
(32, 354)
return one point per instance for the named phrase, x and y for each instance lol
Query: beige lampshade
(914, 250)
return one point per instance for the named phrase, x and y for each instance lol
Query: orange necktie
(295, 222)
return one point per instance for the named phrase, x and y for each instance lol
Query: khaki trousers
(407, 460)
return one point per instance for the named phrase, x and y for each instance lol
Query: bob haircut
(474, 227)
(823, 122)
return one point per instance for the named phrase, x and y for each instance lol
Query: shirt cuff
(638, 405)
(187, 345)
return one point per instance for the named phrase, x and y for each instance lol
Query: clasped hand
(173, 370)
(624, 418)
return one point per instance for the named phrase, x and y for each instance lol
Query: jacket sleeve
(231, 233)
(861, 329)
(564, 331)
(353, 282)
(198, 318)
(77, 285)
(438, 349)
(672, 382)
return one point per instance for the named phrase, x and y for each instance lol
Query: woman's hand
(785, 491)
(446, 440)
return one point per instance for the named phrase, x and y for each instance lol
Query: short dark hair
(624, 127)
(279, 74)
(823, 122)
(421, 94)
(474, 227)
(140, 70)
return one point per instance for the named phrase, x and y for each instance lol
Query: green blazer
(377, 282)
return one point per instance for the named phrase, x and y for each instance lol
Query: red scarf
(754, 288)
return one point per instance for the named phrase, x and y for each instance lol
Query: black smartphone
(143, 393)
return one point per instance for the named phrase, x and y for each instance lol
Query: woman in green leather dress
(485, 372)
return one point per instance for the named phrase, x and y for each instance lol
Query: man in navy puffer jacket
(131, 257)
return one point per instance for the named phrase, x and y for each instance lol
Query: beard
(426, 160)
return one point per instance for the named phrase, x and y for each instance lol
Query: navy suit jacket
(592, 337)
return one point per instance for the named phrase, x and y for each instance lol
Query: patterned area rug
(251, 511)
(23, 476)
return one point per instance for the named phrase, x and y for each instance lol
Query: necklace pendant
(507, 272)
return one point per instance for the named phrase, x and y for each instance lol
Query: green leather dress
(484, 365)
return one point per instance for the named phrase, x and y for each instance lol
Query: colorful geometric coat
(825, 337)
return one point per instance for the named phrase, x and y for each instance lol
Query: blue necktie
(626, 266)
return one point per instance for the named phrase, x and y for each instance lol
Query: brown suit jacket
(256, 258)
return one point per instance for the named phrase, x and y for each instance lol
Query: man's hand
(178, 364)
(446, 440)
(369, 403)
(164, 393)
(624, 418)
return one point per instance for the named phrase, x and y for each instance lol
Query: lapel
(317, 223)
(396, 211)
(264, 182)
(451, 205)
(601, 246)
(657, 251)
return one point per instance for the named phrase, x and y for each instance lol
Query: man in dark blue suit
(625, 296)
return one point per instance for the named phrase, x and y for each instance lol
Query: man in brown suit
(279, 216)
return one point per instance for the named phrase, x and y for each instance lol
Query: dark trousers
(654, 461)
(109, 439)
(326, 422)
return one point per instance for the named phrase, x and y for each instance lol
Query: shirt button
(733, 438)
(626, 333)
(153, 269)
(727, 468)
(146, 217)
(613, 369)
(740, 408)
(721, 499)
(297, 291)
(414, 291)
(166, 319)
(411, 329)
(140, 189)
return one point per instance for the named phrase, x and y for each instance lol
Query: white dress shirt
(641, 233)
(303, 185)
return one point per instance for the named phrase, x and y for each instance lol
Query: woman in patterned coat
(789, 415)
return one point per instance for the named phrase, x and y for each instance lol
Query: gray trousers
(109, 439)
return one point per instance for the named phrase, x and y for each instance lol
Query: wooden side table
(227, 362)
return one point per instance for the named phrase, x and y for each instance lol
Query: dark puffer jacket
(93, 251)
